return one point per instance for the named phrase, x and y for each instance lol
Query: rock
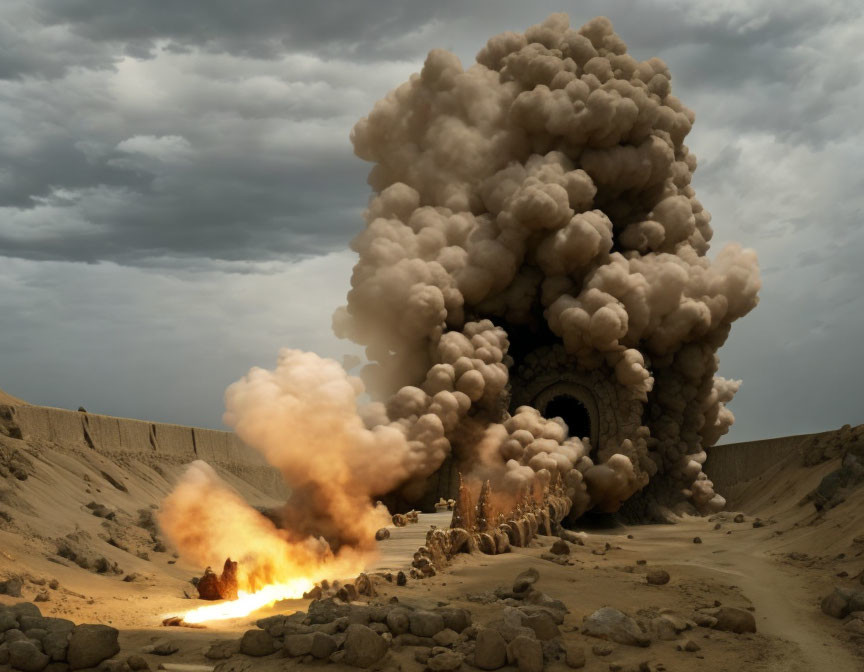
(612, 625)
(526, 653)
(24, 655)
(42, 596)
(12, 587)
(363, 647)
(258, 643)
(382, 534)
(422, 653)
(426, 623)
(401, 579)
(56, 644)
(525, 580)
(574, 654)
(836, 604)
(856, 602)
(444, 661)
(542, 624)
(602, 649)
(490, 652)
(663, 630)
(560, 547)
(300, 645)
(657, 577)
(732, 619)
(399, 620)
(137, 663)
(455, 619)
(314, 593)
(446, 637)
(365, 586)
(739, 518)
(322, 645)
(222, 650)
(697, 540)
(688, 645)
(90, 644)
(704, 620)
(326, 611)
(7, 620)
(163, 647)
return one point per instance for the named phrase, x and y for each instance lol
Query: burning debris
(538, 313)
(221, 587)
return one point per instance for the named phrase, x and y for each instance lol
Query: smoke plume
(532, 212)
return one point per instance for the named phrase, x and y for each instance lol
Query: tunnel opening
(572, 412)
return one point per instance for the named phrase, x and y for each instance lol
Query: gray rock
(454, 618)
(490, 652)
(258, 643)
(732, 619)
(299, 645)
(56, 644)
(542, 624)
(326, 610)
(137, 663)
(856, 602)
(657, 577)
(426, 623)
(36, 633)
(704, 620)
(25, 656)
(525, 580)
(12, 587)
(663, 630)
(322, 645)
(399, 620)
(163, 647)
(111, 666)
(4, 653)
(688, 645)
(560, 547)
(7, 621)
(444, 661)
(90, 644)
(222, 650)
(612, 625)
(574, 654)
(526, 653)
(14, 635)
(446, 637)
(363, 647)
(26, 609)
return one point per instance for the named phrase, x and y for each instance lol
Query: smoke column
(544, 190)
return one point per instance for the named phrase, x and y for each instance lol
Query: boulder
(300, 645)
(560, 547)
(399, 620)
(258, 643)
(90, 644)
(426, 623)
(657, 577)
(526, 653)
(322, 645)
(363, 647)
(219, 650)
(382, 534)
(542, 624)
(525, 580)
(574, 654)
(455, 618)
(24, 655)
(446, 637)
(614, 626)
(490, 652)
(732, 619)
(11, 587)
(137, 663)
(836, 604)
(444, 661)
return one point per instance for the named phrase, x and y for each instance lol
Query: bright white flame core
(246, 603)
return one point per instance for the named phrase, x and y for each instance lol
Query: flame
(246, 603)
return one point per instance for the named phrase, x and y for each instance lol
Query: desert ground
(63, 506)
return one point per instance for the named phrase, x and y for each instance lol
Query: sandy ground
(780, 570)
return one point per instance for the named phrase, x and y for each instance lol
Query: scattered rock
(322, 645)
(24, 655)
(299, 644)
(560, 547)
(42, 596)
(11, 587)
(362, 646)
(836, 604)
(732, 619)
(257, 643)
(697, 540)
(490, 650)
(542, 624)
(137, 663)
(526, 653)
(525, 580)
(382, 534)
(90, 644)
(574, 654)
(610, 624)
(401, 579)
(426, 623)
(399, 620)
(446, 637)
(739, 518)
(221, 650)
(688, 645)
(455, 619)
(657, 577)
(444, 661)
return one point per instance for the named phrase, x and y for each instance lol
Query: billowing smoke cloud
(542, 195)
(547, 188)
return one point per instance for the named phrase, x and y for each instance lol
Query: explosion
(532, 218)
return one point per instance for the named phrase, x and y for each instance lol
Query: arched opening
(572, 412)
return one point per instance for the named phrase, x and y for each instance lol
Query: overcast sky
(177, 187)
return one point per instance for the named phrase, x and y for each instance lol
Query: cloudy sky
(177, 187)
